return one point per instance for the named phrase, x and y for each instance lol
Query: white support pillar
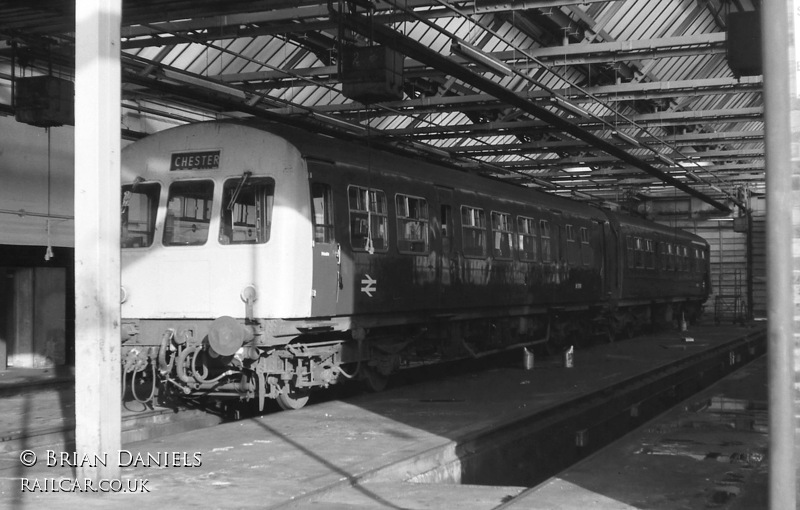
(782, 305)
(97, 233)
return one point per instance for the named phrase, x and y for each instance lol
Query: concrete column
(97, 233)
(781, 305)
(24, 305)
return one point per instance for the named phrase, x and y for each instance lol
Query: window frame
(532, 234)
(263, 211)
(206, 218)
(369, 215)
(570, 232)
(325, 232)
(507, 233)
(424, 224)
(128, 237)
(546, 241)
(472, 228)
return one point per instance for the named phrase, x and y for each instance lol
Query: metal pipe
(780, 299)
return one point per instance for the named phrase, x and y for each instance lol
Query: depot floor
(360, 452)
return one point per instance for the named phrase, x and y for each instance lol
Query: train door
(610, 260)
(445, 248)
(326, 278)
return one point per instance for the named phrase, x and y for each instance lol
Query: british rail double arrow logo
(368, 285)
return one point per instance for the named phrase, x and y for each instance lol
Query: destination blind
(204, 160)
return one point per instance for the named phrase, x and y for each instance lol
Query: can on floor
(568, 357)
(527, 358)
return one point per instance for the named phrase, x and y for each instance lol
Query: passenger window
(473, 227)
(322, 212)
(139, 206)
(570, 233)
(246, 216)
(188, 213)
(650, 254)
(544, 233)
(503, 235)
(447, 228)
(584, 235)
(670, 258)
(639, 252)
(368, 220)
(412, 224)
(587, 255)
(630, 250)
(526, 228)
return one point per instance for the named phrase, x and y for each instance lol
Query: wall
(25, 162)
(36, 295)
(732, 268)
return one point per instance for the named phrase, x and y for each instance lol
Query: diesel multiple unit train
(260, 262)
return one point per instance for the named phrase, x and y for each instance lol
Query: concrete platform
(356, 453)
(709, 452)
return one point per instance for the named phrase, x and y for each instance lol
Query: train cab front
(212, 250)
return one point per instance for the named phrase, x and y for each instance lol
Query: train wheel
(374, 380)
(291, 399)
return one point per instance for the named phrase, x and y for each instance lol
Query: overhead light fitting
(344, 124)
(478, 57)
(626, 138)
(666, 160)
(205, 83)
(570, 107)
(543, 183)
(580, 194)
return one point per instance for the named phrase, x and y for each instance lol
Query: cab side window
(139, 206)
(322, 212)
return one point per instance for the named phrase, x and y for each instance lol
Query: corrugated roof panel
(603, 22)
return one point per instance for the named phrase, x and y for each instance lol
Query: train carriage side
(663, 271)
(418, 243)
(413, 237)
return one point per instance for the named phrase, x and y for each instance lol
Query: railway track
(528, 447)
(542, 444)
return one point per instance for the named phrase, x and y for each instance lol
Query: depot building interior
(650, 108)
